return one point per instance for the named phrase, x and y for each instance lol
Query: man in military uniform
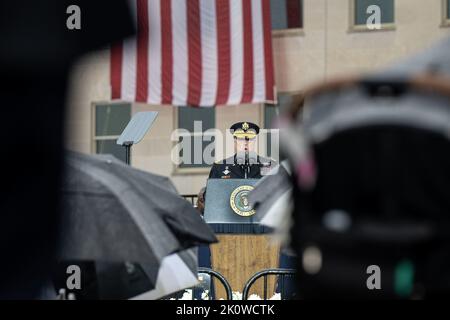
(245, 164)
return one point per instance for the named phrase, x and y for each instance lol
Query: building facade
(313, 40)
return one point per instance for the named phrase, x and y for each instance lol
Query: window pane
(186, 118)
(111, 119)
(110, 147)
(286, 14)
(270, 114)
(271, 111)
(448, 9)
(194, 161)
(386, 6)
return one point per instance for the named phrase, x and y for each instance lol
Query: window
(446, 12)
(286, 14)
(110, 121)
(362, 12)
(271, 112)
(196, 121)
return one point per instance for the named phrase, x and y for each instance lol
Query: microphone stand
(246, 165)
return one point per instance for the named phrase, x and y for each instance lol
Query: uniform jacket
(229, 169)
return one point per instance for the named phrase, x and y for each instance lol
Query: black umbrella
(177, 272)
(115, 213)
(126, 280)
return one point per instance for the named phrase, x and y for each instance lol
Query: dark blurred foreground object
(272, 199)
(115, 213)
(36, 53)
(204, 257)
(371, 176)
(126, 280)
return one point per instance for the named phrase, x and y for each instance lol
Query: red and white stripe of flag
(197, 53)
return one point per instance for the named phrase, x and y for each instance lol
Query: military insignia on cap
(245, 130)
(226, 171)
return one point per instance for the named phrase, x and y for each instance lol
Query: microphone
(246, 159)
(246, 165)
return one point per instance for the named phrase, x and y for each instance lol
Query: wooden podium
(239, 256)
(243, 249)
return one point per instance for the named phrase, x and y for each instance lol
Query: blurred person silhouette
(371, 183)
(204, 252)
(37, 51)
(201, 201)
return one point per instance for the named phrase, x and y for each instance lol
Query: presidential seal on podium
(239, 201)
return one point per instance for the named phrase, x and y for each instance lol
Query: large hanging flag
(197, 53)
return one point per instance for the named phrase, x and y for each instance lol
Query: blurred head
(201, 200)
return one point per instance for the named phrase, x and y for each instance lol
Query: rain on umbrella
(115, 213)
(177, 271)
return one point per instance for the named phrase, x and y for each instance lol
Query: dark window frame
(448, 10)
(445, 13)
(283, 97)
(293, 31)
(354, 27)
(96, 138)
(192, 168)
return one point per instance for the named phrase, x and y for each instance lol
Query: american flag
(196, 53)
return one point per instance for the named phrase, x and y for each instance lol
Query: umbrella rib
(103, 176)
(88, 193)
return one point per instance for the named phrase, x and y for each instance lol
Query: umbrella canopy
(177, 272)
(114, 213)
(114, 280)
(272, 199)
(271, 196)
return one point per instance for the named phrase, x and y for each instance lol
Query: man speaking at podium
(229, 213)
(246, 163)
